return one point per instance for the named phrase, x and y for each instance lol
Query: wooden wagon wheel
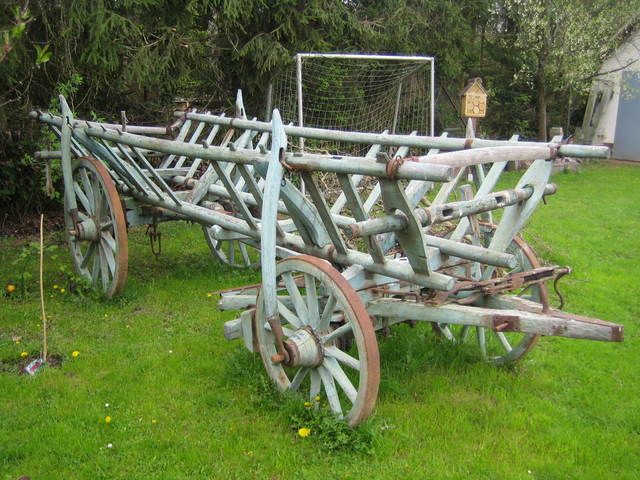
(97, 231)
(232, 252)
(325, 328)
(505, 347)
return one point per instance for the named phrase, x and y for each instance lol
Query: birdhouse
(182, 103)
(474, 99)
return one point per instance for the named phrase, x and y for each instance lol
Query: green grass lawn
(185, 403)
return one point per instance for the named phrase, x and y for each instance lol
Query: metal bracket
(505, 323)
(155, 238)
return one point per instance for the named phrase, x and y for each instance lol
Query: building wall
(599, 124)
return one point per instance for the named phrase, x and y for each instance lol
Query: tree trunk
(542, 110)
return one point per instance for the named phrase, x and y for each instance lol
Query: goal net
(369, 93)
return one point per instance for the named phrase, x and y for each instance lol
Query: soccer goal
(355, 92)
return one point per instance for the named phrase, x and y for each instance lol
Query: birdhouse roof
(474, 86)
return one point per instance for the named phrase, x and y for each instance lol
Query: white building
(612, 116)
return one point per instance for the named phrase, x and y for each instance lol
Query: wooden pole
(44, 315)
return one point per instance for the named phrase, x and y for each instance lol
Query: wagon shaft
(413, 230)
(513, 319)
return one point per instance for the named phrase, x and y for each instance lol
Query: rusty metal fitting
(354, 230)
(278, 358)
(506, 323)
(468, 143)
(393, 165)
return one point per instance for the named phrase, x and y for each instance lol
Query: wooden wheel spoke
(87, 187)
(504, 341)
(99, 202)
(287, 331)
(232, 251)
(298, 378)
(88, 255)
(327, 313)
(83, 198)
(330, 390)
(338, 374)
(337, 333)
(245, 254)
(104, 269)
(464, 333)
(342, 357)
(296, 297)
(109, 241)
(316, 384)
(108, 256)
(444, 330)
(312, 300)
(288, 315)
(106, 225)
(95, 270)
(482, 341)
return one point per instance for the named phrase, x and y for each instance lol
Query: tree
(558, 46)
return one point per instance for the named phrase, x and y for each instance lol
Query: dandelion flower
(17, 342)
(11, 288)
(55, 287)
(153, 420)
(75, 354)
(62, 290)
(24, 354)
(107, 419)
(308, 404)
(317, 399)
(304, 432)
(209, 295)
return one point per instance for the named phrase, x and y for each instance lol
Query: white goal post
(358, 92)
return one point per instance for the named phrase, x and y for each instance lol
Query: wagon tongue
(507, 313)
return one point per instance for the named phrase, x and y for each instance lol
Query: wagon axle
(87, 230)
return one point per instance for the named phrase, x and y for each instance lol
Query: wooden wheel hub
(87, 230)
(304, 348)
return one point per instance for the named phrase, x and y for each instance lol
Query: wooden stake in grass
(44, 315)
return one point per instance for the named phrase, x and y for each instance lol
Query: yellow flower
(304, 432)
(17, 342)
(24, 354)
(317, 399)
(153, 420)
(107, 419)
(75, 354)
(62, 290)
(55, 287)
(11, 288)
(209, 295)
(308, 404)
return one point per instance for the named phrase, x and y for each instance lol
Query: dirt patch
(29, 225)
(17, 366)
